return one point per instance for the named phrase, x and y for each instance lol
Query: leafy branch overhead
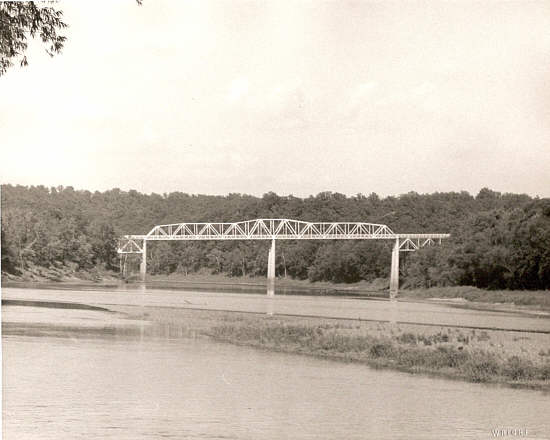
(21, 20)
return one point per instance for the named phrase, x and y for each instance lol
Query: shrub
(449, 357)
(481, 367)
(407, 338)
(518, 368)
(381, 349)
(484, 336)
(544, 372)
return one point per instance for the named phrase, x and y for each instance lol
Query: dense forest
(498, 240)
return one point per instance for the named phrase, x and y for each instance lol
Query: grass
(452, 353)
(406, 352)
(58, 273)
(539, 298)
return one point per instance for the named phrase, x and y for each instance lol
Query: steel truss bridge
(280, 229)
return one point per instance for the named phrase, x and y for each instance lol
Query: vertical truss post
(394, 275)
(271, 269)
(143, 265)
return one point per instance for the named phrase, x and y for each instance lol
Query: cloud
(267, 104)
(238, 89)
(363, 91)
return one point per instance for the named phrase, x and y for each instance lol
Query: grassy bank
(511, 358)
(531, 298)
(60, 273)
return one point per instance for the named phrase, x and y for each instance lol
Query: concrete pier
(394, 275)
(143, 265)
(271, 270)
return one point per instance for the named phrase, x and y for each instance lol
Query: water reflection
(78, 324)
(271, 288)
(393, 310)
(270, 307)
(252, 288)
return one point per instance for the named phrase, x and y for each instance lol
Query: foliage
(499, 241)
(18, 21)
(404, 352)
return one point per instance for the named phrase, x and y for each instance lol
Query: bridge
(280, 229)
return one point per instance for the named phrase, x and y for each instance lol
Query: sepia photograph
(275, 219)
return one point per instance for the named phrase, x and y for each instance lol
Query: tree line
(497, 240)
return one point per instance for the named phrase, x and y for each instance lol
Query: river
(418, 312)
(78, 373)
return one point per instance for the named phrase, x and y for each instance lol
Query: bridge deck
(286, 237)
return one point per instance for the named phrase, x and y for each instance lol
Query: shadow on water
(261, 289)
(52, 305)
(81, 321)
(146, 330)
(248, 288)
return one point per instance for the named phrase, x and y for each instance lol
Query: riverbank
(61, 273)
(532, 299)
(70, 274)
(378, 287)
(535, 299)
(520, 359)
(468, 296)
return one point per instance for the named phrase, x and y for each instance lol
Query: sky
(295, 97)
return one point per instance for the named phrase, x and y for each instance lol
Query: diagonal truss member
(280, 229)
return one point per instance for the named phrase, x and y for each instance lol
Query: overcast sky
(286, 96)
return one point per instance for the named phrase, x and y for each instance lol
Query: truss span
(278, 229)
(267, 229)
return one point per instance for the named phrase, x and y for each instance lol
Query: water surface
(139, 381)
(350, 308)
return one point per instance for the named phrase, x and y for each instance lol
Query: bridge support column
(143, 265)
(271, 270)
(122, 266)
(394, 275)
